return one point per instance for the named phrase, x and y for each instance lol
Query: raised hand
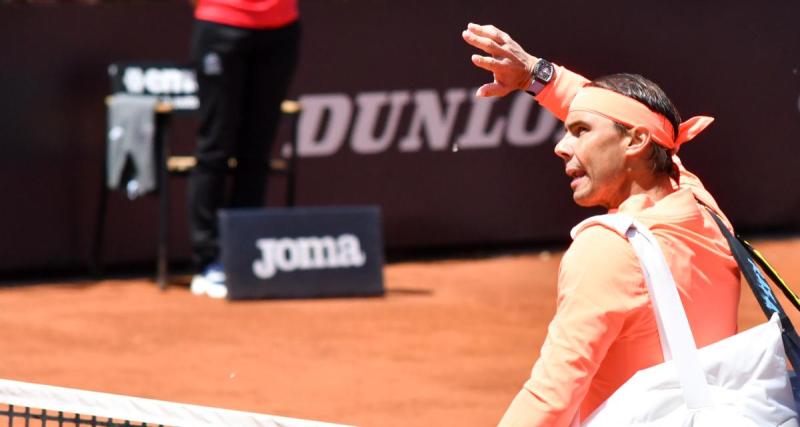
(510, 65)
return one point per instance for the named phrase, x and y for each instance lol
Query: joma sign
(307, 253)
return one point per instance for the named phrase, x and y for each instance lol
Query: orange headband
(630, 112)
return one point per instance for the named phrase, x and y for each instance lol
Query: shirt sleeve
(557, 95)
(599, 283)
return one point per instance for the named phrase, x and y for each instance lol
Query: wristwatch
(543, 73)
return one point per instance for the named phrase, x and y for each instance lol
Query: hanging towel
(130, 139)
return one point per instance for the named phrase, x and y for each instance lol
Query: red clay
(449, 344)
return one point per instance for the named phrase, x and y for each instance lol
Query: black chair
(180, 99)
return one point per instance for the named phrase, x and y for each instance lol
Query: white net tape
(137, 409)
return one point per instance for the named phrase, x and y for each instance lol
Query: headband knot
(630, 112)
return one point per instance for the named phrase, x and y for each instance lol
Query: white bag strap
(673, 326)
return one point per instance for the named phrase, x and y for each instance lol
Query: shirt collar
(680, 203)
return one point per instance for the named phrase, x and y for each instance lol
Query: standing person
(622, 133)
(245, 52)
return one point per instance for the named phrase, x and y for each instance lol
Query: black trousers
(243, 76)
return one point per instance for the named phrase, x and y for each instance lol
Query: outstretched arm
(511, 67)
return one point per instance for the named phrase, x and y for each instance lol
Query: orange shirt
(604, 328)
(254, 14)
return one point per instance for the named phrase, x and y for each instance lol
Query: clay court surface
(449, 345)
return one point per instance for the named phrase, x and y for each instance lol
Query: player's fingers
(483, 43)
(489, 31)
(487, 63)
(492, 89)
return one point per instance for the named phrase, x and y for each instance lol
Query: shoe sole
(217, 291)
(201, 286)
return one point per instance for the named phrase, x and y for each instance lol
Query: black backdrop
(737, 61)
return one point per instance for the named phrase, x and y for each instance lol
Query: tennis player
(619, 152)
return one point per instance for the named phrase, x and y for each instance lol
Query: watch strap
(536, 87)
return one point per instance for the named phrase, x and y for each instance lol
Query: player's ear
(639, 139)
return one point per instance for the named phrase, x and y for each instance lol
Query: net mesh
(11, 415)
(27, 404)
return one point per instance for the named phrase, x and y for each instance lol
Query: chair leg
(96, 255)
(162, 254)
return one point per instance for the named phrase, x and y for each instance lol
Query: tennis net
(27, 404)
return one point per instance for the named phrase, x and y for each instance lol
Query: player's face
(593, 150)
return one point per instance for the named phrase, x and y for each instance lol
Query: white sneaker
(210, 282)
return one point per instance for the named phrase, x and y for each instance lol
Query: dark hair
(650, 94)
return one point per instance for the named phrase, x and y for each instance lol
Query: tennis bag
(737, 382)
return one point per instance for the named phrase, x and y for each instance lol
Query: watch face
(543, 71)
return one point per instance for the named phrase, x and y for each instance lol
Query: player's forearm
(557, 95)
